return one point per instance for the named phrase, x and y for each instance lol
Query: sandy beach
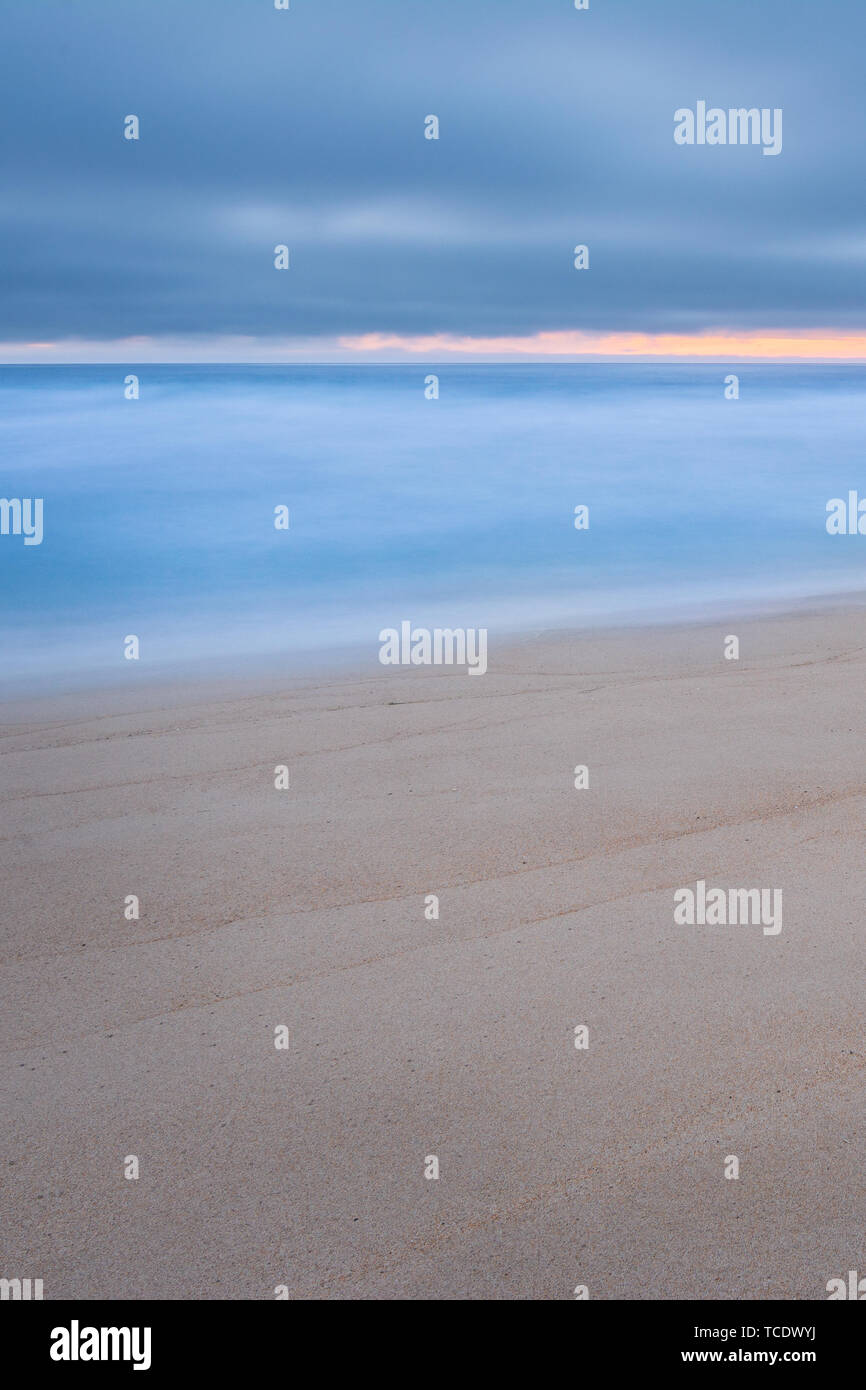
(558, 1166)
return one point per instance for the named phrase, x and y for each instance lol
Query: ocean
(458, 511)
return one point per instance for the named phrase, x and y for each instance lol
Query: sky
(261, 127)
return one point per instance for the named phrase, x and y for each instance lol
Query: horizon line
(567, 347)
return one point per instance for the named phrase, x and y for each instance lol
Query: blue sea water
(158, 513)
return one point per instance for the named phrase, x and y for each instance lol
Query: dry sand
(453, 1037)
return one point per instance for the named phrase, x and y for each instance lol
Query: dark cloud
(305, 127)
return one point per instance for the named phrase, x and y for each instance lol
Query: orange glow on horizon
(725, 345)
(767, 343)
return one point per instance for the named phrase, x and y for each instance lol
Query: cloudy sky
(306, 127)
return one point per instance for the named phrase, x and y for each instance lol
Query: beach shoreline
(271, 670)
(452, 1036)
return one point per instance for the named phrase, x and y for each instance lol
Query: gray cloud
(305, 127)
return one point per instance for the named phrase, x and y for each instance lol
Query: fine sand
(452, 1037)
